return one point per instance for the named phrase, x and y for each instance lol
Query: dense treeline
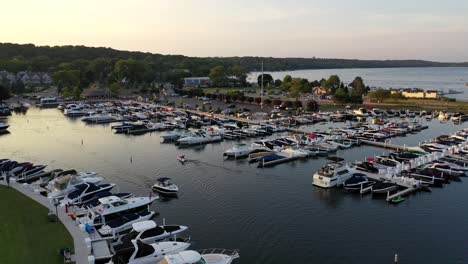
(16, 57)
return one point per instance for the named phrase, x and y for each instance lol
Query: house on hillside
(319, 90)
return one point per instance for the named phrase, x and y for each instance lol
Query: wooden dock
(387, 145)
(401, 193)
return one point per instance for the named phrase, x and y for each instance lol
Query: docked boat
(3, 127)
(165, 186)
(84, 192)
(383, 187)
(100, 118)
(333, 174)
(112, 207)
(124, 222)
(357, 182)
(200, 138)
(446, 169)
(150, 232)
(238, 151)
(138, 252)
(61, 186)
(208, 256)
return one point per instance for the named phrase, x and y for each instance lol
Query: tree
(297, 104)
(354, 97)
(67, 92)
(278, 83)
(358, 85)
(250, 99)
(218, 76)
(286, 83)
(380, 94)
(77, 92)
(113, 88)
(240, 74)
(299, 86)
(66, 78)
(4, 93)
(258, 100)
(287, 79)
(333, 83)
(267, 102)
(181, 102)
(340, 96)
(267, 80)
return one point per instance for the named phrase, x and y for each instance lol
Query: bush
(267, 102)
(250, 99)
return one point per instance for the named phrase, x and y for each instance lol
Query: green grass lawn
(26, 235)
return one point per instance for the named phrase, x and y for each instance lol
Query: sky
(361, 29)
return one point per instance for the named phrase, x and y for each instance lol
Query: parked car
(231, 106)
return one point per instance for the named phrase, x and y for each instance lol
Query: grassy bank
(26, 235)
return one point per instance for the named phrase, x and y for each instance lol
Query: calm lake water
(438, 78)
(272, 215)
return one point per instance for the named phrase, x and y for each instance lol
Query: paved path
(81, 251)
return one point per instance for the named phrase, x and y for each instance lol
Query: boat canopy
(144, 225)
(163, 179)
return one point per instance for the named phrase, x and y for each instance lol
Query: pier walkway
(80, 250)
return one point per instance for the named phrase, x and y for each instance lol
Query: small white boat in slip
(124, 222)
(64, 185)
(333, 174)
(207, 256)
(165, 186)
(138, 252)
(200, 138)
(238, 151)
(150, 232)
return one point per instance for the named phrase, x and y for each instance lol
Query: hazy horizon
(423, 30)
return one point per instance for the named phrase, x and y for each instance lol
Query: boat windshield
(201, 261)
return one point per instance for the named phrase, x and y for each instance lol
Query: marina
(302, 164)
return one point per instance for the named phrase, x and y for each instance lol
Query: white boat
(124, 222)
(85, 191)
(63, 185)
(207, 256)
(100, 118)
(112, 207)
(333, 174)
(240, 150)
(199, 138)
(361, 112)
(165, 186)
(149, 232)
(3, 127)
(138, 252)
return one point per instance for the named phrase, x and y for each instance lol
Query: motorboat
(149, 232)
(181, 158)
(94, 201)
(165, 186)
(3, 127)
(208, 256)
(383, 187)
(199, 138)
(447, 169)
(84, 192)
(63, 185)
(366, 167)
(138, 252)
(36, 176)
(238, 151)
(100, 118)
(357, 181)
(459, 117)
(124, 222)
(111, 207)
(361, 112)
(333, 174)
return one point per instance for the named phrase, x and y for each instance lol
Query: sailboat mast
(261, 93)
